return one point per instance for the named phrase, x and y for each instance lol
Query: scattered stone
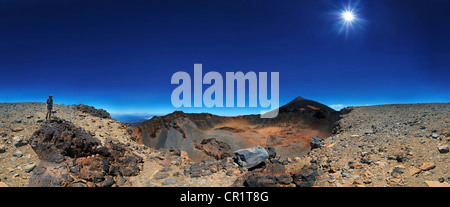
(368, 132)
(29, 168)
(401, 157)
(261, 181)
(206, 172)
(396, 182)
(2, 148)
(354, 165)
(165, 163)
(427, 166)
(366, 161)
(413, 171)
(443, 149)
(435, 135)
(345, 174)
(166, 169)
(437, 184)
(19, 141)
(170, 181)
(175, 151)
(363, 154)
(397, 171)
(331, 145)
(18, 120)
(121, 181)
(285, 179)
(161, 175)
(196, 173)
(17, 153)
(17, 129)
(108, 182)
(37, 121)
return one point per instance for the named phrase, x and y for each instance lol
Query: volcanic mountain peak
(299, 98)
(301, 104)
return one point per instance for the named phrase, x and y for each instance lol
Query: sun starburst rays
(348, 18)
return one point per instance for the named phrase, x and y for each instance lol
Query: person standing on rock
(49, 107)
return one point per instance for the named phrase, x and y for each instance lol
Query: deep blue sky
(120, 55)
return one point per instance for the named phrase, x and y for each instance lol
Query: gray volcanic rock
(251, 157)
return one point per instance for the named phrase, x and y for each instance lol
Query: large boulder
(72, 157)
(251, 157)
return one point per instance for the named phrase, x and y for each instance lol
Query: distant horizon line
(336, 107)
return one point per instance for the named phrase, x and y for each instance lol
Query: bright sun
(348, 16)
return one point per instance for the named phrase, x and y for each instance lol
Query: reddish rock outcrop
(71, 157)
(214, 148)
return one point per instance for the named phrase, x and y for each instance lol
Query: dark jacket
(49, 103)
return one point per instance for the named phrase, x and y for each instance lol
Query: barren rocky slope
(18, 122)
(387, 145)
